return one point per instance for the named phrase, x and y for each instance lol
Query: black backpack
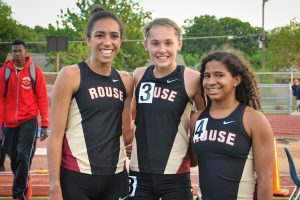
(32, 72)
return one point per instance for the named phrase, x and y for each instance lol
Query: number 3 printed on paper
(146, 92)
(132, 185)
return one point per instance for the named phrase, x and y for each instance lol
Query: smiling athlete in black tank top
(157, 137)
(93, 142)
(226, 137)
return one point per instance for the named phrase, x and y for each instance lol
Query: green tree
(205, 33)
(282, 53)
(73, 23)
(7, 31)
(10, 30)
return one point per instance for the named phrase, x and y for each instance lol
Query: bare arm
(193, 156)
(126, 115)
(263, 150)
(192, 87)
(137, 75)
(64, 87)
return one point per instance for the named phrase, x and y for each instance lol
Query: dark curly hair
(247, 91)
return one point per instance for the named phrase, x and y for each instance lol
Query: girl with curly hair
(232, 139)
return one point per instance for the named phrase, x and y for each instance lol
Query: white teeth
(162, 57)
(213, 90)
(107, 52)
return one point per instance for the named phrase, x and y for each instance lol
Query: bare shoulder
(253, 115)
(138, 73)
(191, 77)
(191, 73)
(70, 70)
(126, 76)
(192, 84)
(254, 120)
(127, 80)
(69, 77)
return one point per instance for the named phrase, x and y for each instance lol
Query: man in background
(22, 98)
(294, 92)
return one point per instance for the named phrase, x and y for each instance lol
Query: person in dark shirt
(165, 93)
(91, 119)
(295, 87)
(232, 139)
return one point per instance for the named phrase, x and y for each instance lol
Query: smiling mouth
(106, 52)
(213, 90)
(162, 57)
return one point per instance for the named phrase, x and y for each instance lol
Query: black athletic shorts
(76, 185)
(144, 186)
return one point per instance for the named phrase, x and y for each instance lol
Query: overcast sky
(277, 12)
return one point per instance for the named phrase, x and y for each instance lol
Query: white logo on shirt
(172, 80)
(227, 122)
(115, 80)
(120, 198)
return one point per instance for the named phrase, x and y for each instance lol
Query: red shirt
(21, 102)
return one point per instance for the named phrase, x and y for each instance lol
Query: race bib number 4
(200, 130)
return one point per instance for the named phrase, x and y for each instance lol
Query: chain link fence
(275, 91)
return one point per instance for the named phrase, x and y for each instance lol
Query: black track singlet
(225, 159)
(163, 112)
(93, 142)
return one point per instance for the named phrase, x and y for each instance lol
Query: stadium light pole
(263, 36)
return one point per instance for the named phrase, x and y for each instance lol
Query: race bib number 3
(146, 92)
(132, 185)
